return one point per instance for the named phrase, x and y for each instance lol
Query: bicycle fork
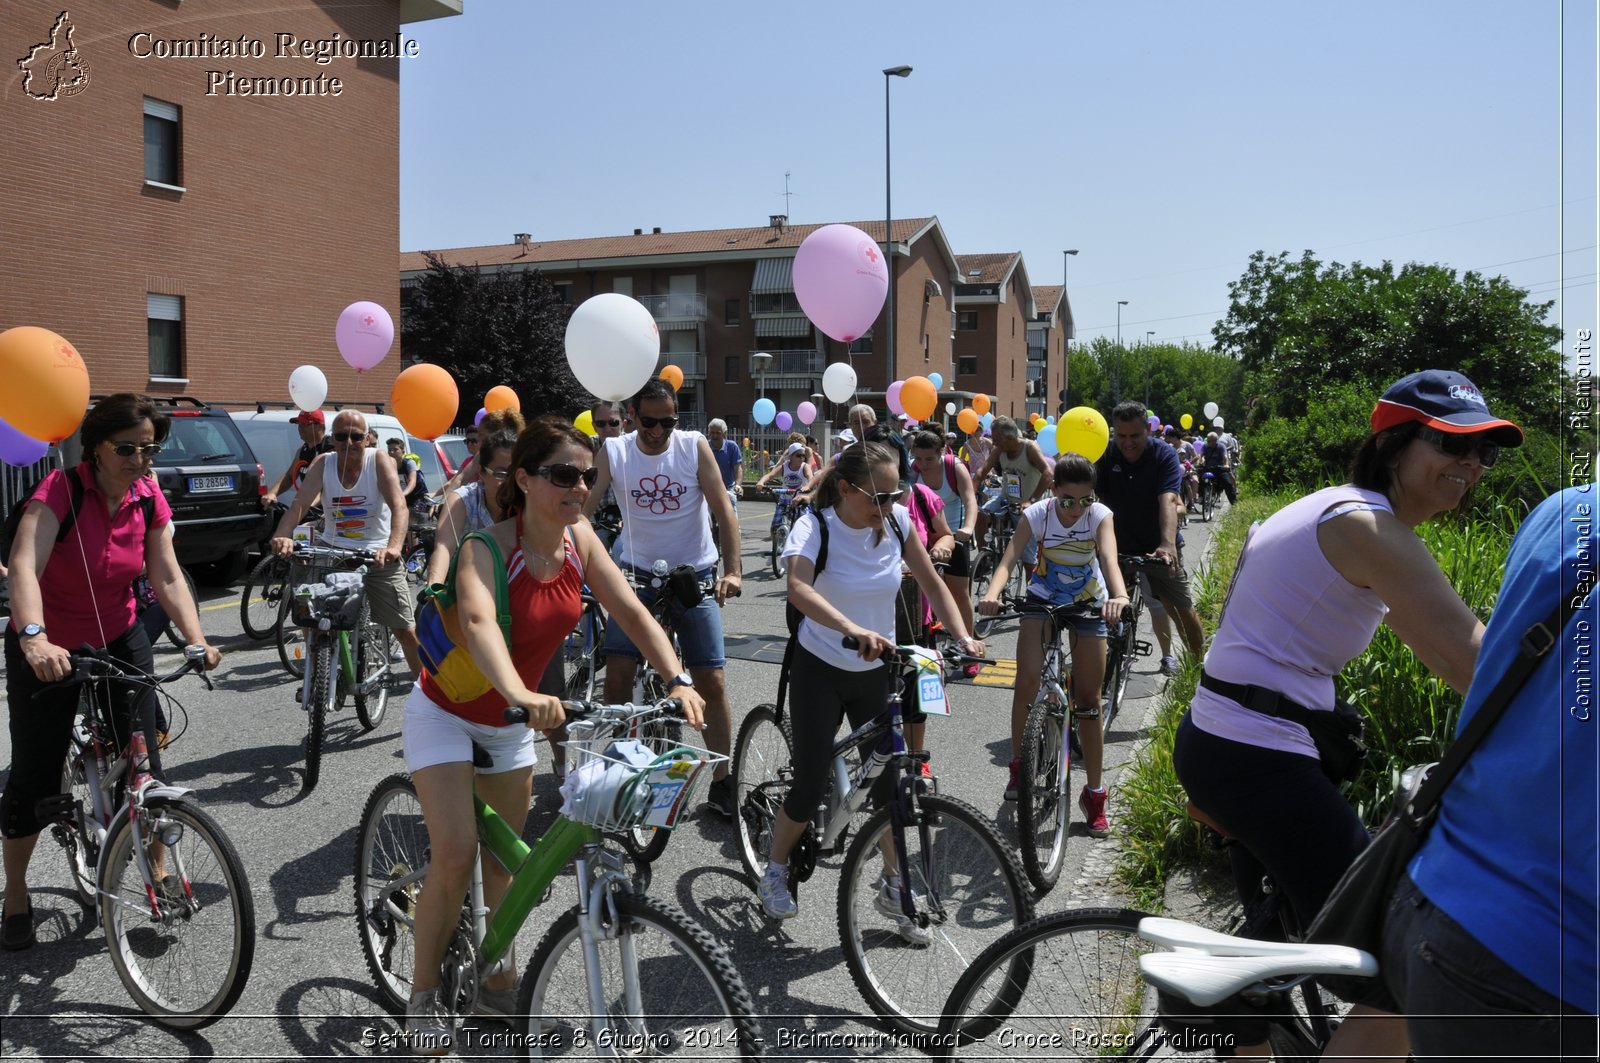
(598, 920)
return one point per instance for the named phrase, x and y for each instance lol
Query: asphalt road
(309, 994)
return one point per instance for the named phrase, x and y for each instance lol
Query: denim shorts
(699, 629)
(1095, 626)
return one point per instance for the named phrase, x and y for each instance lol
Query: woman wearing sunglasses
(1077, 563)
(1311, 587)
(550, 553)
(77, 591)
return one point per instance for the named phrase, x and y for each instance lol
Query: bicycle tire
(322, 681)
(392, 842)
(982, 573)
(1121, 649)
(1208, 501)
(646, 844)
(762, 753)
(780, 535)
(216, 939)
(81, 856)
(262, 598)
(980, 887)
(690, 991)
(1044, 805)
(582, 655)
(174, 636)
(373, 658)
(292, 646)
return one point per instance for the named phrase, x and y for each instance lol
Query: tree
(490, 327)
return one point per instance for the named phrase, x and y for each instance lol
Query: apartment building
(1048, 334)
(994, 305)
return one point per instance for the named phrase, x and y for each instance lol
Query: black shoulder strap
(74, 503)
(822, 541)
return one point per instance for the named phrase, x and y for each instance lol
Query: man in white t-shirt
(668, 484)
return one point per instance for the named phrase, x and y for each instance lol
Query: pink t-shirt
(87, 584)
(922, 509)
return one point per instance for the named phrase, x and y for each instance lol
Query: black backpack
(8, 531)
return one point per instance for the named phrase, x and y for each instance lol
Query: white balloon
(308, 387)
(950, 408)
(1216, 421)
(839, 382)
(612, 345)
(1211, 410)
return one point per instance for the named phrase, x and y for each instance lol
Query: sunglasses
(348, 437)
(1070, 502)
(614, 423)
(1459, 446)
(566, 476)
(499, 474)
(128, 450)
(650, 422)
(472, 441)
(880, 498)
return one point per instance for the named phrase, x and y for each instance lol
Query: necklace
(543, 558)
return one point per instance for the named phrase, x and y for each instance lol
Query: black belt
(1257, 699)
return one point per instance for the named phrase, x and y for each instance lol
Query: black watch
(31, 630)
(680, 680)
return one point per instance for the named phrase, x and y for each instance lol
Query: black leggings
(40, 728)
(820, 697)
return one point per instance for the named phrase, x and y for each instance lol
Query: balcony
(1036, 354)
(675, 306)
(789, 368)
(693, 363)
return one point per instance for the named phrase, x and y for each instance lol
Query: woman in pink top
(1311, 587)
(79, 590)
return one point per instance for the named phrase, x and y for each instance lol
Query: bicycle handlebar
(584, 710)
(902, 655)
(339, 553)
(1021, 605)
(89, 664)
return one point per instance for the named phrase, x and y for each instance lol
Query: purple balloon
(840, 280)
(784, 421)
(18, 449)
(1154, 422)
(481, 414)
(807, 412)
(893, 397)
(365, 333)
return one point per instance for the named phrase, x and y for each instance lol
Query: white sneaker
(776, 900)
(1169, 666)
(496, 1003)
(889, 904)
(430, 1029)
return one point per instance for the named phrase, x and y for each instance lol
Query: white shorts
(431, 735)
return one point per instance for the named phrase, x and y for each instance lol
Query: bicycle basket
(337, 598)
(618, 783)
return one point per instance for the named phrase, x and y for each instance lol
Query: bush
(1301, 454)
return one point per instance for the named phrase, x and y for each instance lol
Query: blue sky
(1164, 140)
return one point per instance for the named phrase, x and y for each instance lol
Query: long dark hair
(542, 438)
(118, 413)
(1373, 466)
(1073, 469)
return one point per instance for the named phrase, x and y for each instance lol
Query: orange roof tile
(991, 269)
(1046, 296)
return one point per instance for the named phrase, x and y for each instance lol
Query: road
(309, 994)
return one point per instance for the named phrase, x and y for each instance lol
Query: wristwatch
(30, 630)
(680, 680)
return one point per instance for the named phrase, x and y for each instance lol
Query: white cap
(794, 448)
(847, 437)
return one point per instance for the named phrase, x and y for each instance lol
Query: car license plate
(202, 484)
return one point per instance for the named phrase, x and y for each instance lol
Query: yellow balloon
(1186, 422)
(1082, 430)
(584, 423)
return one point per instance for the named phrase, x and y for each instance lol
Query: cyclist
(1215, 459)
(314, 442)
(1023, 469)
(854, 595)
(864, 427)
(80, 591)
(730, 459)
(795, 471)
(491, 423)
(1077, 563)
(550, 553)
(1312, 585)
(608, 425)
(412, 485)
(932, 464)
(975, 452)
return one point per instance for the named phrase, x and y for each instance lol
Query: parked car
(455, 450)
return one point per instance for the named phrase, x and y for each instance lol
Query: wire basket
(326, 589)
(616, 783)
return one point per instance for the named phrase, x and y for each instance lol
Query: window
(622, 285)
(563, 292)
(164, 314)
(774, 303)
(730, 369)
(161, 143)
(966, 321)
(967, 366)
(730, 312)
(863, 345)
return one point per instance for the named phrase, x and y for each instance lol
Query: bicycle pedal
(1143, 649)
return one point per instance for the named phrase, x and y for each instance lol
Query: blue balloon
(986, 420)
(18, 449)
(1047, 443)
(764, 411)
(938, 381)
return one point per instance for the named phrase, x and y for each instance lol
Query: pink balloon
(784, 421)
(806, 411)
(365, 333)
(18, 449)
(840, 280)
(893, 397)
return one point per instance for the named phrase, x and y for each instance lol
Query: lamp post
(888, 216)
(1148, 336)
(1116, 383)
(820, 401)
(1066, 339)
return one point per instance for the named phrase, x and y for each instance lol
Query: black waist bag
(1340, 735)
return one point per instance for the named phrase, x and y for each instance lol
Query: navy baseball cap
(1443, 400)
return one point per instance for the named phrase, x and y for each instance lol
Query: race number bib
(1013, 486)
(930, 684)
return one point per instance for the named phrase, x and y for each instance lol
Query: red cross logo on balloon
(658, 494)
(369, 321)
(871, 253)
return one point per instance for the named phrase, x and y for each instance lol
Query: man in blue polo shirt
(730, 459)
(1141, 480)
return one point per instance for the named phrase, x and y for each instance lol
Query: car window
(456, 449)
(275, 444)
(204, 441)
(428, 463)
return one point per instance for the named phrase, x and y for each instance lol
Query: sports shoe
(971, 671)
(773, 890)
(889, 904)
(1011, 786)
(496, 1003)
(1169, 666)
(430, 1030)
(719, 796)
(1094, 812)
(16, 931)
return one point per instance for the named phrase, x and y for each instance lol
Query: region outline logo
(57, 64)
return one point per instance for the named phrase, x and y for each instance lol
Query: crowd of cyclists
(880, 553)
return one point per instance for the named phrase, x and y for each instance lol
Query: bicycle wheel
(374, 657)
(968, 883)
(646, 844)
(670, 990)
(982, 573)
(780, 535)
(292, 646)
(1208, 500)
(262, 599)
(1122, 647)
(188, 967)
(175, 636)
(760, 772)
(1044, 804)
(322, 683)
(81, 854)
(392, 843)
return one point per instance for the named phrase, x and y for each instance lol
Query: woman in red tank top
(550, 554)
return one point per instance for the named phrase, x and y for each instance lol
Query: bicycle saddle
(1208, 967)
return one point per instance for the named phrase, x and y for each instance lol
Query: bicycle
(1002, 526)
(618, 969)
(782, 521)
(170, 888)
(321, 616)
(1123, 644)
(965, 884)
(1208, 495)
(581, 650)
(420, 532)
(264, 597)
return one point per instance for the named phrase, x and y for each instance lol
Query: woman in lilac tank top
(1311, 587)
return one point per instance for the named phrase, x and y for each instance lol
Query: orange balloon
(673, 375)
(967, 421)
(46, 389)
(980, 403)
(425, 398)
(501, 397)
(919, 398)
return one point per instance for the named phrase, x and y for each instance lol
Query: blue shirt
(1512, 856)
(728, 456)
(1132, 490)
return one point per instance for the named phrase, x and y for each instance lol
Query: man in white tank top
(667, 484)
(363, 509)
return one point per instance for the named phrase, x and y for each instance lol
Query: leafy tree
(1182, 379)
(490, 327)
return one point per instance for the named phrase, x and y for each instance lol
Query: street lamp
(759, 361)
(1116, 383)
(1066, 339)
(1148, 336)
(888, 214)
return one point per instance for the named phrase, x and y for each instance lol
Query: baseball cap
(794, 448)
(310, 417)
(1444, 400)
(847, 437)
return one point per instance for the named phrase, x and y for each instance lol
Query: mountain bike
(581, 652)
(782, 521)
(1002, 526)
(1123, 645)
(264, 597)
(169, 885)
(619, 971)
(1208, 495)
(966, 888)
(327, 608)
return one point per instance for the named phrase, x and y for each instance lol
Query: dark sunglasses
(879, 498)
(1071, 503)
(1459, 446)
(471, 440)
(650, 422)
(348, 437)
(128, 450)
(498, 474)
(566, 476)
(614, 423)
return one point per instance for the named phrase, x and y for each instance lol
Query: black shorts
(960, 563)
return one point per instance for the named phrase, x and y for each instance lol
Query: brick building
(195, 192)
(1048, 335)
(994, 306)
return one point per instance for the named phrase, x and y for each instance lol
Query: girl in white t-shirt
(1077, 563)
(853, 595)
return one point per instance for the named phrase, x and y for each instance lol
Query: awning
(773, 275)
(676, 323)
(780, 327)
